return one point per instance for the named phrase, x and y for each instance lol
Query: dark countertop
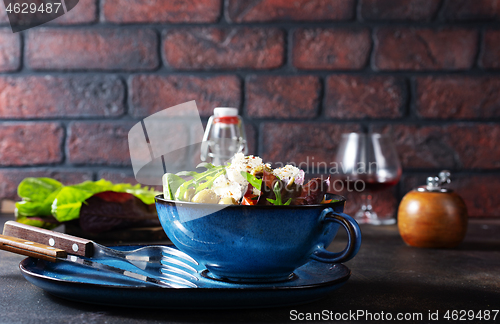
(387, 276)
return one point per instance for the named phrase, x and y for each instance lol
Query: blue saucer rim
(263, 286)
(314, 281)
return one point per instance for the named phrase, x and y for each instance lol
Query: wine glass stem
(368, 202)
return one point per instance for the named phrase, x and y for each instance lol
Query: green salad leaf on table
(46, 199)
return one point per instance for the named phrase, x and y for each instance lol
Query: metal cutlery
(162, 262)
(49, 253)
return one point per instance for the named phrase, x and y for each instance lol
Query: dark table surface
(387, 276)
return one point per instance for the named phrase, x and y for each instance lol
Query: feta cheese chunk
(233, 184)
(240, 163)
(289, 173)
(224, 187)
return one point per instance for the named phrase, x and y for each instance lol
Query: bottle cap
(225, 111)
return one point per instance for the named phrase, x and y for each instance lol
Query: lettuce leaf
(48, 197)
(314, 191)
(37, 189)
(256, 183)
(277, 192)
(68, 202)
(66, 205)
(171, 183)
(37, 195)
(199, 181)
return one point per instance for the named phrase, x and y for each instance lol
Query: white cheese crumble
(233, 184)
(289, 173)
(224, 187)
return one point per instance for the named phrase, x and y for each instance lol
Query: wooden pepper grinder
(431, 216)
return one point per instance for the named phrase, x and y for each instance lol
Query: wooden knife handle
(71, 244)
(32, 249)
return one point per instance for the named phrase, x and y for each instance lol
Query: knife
(71, 244)
(49, 253)
(150, 260)
(83, 247)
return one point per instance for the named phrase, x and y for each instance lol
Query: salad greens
(176, 187)
(277, 192)
(171, 183)
(256, 183)
(44, 198)
(271, 190)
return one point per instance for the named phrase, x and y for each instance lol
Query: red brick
(84, 12)
(95, 49)
(425, 49)
(10, 179)
(178, 134)
(251, 134)
(55, 96)
(466, 10)
(106, 143)
(282, 96)
(458, 97)
(478, 191)
(152, 93)
(286, 10)
(30, 143)
(364, 97)
(330, 49)
(307, 143)
(491, 50)
(99, 143)
(413, 10)
(460, 146)
(166, 11)
(215, 48)
(10, 50)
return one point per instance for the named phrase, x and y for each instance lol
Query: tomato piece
(250, 200)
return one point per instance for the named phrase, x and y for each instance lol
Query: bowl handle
(353, 238)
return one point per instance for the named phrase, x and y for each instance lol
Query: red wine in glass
(368, 164)
(375, 185)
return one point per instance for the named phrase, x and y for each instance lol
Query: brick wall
(300, 71)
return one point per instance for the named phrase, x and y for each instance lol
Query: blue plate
(310, 282)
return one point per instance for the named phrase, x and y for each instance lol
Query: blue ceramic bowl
(257, 243)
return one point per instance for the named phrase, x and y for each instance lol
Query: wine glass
(368, 163)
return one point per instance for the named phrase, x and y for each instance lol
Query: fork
(157, 260)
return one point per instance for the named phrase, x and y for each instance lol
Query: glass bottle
(224, 136)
